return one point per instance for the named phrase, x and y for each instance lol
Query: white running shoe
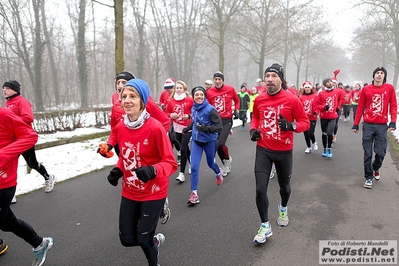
(181, 178)
(227, 165)
(49, 184)
(272, 172)
(308, 150)
(40, 252)
(14, 200)
(315, 147)
(264, 232)
(165, 214)
(282, 220)
(189, 168)
(159, 239)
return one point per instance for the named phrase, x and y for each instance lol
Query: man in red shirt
(23, 108)
(328, 104)
(376, 99)
(222, 96)
(16, 136)
(276, 116)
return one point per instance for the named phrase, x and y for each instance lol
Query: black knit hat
(380, 68)
(13, 84)
(279, 70)
(219, 75)
(125, 75)
(198, 88)
(325, 80)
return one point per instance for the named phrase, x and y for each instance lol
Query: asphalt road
(328, 202)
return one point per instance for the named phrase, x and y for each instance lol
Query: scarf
(179, 97)
(137, 123)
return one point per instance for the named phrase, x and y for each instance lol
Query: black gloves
(235, 114)
(283, 124)
(202, 127)
(255, 134)
(392, 125)
(105, 149)
(185, 130)
(146, 173)
(337, 110)
(355, 127)
(326, 107)
(114, 176)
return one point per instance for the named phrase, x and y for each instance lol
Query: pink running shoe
(194, 199)
(231, 132)
(219, 177)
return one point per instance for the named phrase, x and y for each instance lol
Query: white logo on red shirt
(220, 103)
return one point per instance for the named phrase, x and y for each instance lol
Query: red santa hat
(334, 79)
(169, 83)
(307, 84)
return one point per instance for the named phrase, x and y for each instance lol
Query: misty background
(66, 53)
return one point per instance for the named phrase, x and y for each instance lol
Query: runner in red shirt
(222, 97)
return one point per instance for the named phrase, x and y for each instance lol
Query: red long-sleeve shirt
(182, 108)
(22, 108)
(331, 97)
(374, 103)
(223, 99)
(308, 104)
(145, 146)
(16, 137)
(265, 116)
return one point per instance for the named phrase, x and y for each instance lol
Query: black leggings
(223, 151)
(309, 134)
(30, 158)
(327, 131)
(185, 151)
(10, 223)
(137, 224)
(263, 165)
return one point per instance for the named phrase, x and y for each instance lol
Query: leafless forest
(66, 53)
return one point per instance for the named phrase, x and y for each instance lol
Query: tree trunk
(53, 68)
(119, 59)
(38, 57)
(81, 55)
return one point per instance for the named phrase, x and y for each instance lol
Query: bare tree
(389, 9)
(53, 68)
(217, 30)
(256, 31)
(119, 34)
(178, 26)
(81, 55)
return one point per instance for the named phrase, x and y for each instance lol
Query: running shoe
(194, 199)
(315, 147)
(49, 183)
(159, 239)
(14, 200)
(329, 153)
(324, 153)
(282, 220)
(189, 168)
(368, 183)
(40, 252)
(376, 174)
(264, 232)
(227, 165)
(308, 150)
(181, 178)
(219, 177)
(272, 172)
(165, 214)
(334, 138)
(3, 246)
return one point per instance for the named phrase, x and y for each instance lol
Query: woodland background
(66, 53)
